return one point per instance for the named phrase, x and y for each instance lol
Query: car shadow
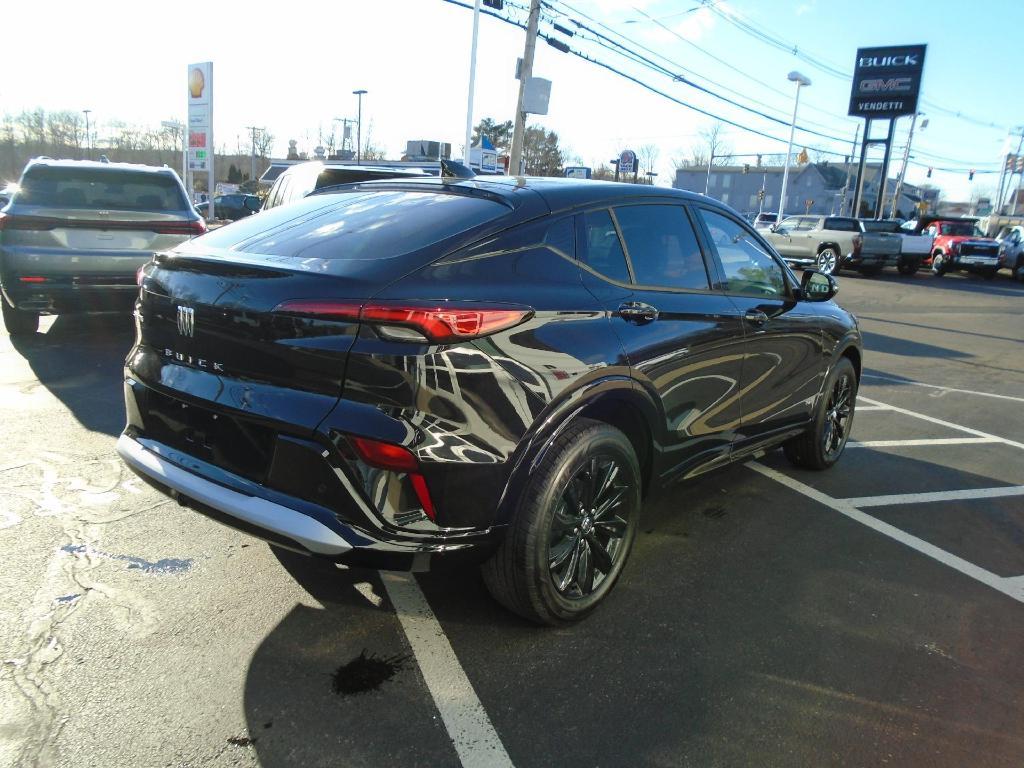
(79, 359)
(744, 606)
(896, 345)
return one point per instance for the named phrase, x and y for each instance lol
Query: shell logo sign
(196, 83)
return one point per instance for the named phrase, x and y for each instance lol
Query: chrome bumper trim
(279, 519)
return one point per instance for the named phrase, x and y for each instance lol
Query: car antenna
(453, 170)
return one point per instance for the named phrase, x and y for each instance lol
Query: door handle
(638, 312)
(756, 317)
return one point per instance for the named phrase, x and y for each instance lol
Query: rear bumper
(275, 520)
(71, 297)
(871, 259)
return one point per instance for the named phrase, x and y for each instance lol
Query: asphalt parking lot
(869, 615)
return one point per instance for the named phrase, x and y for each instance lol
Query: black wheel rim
(588, 528)
(838, 413)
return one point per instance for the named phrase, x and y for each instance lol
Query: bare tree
(264, 143)
(714, 144)
(648, 155)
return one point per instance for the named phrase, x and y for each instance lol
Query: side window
(747, 267)
(602, 250)
(561, 235)
(842, 225)
(662, 246)
(806, 224)
(791, 224)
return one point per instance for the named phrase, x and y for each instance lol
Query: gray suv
(75, 233)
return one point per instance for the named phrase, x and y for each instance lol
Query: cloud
(805, 7)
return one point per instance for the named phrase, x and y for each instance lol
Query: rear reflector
(439, 324)
(396, 458)
(33, 279)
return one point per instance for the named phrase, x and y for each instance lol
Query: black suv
(402, 373)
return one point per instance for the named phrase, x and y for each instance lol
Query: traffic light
(746, 167)
(970, 176)
(495, 4)
(929, 173)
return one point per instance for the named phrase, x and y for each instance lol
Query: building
(821, 188)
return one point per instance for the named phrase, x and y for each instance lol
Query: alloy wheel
(827, 261)
(588, 528)
(838, 412)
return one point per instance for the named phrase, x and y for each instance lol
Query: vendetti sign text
(886, 81)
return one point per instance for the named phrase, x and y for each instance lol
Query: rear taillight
(396, 458)
(193, 228)
(406, 322)
(32, 279)
(858, 243)
(31, 223)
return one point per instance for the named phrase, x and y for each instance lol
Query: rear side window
(662, 246)
(842, 225)
(603, 251)
(113, 190)
(354, 226)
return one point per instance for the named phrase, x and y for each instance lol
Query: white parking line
(468, 725)
(1012, 587)
(922, 441)
(862, 408)
(933, 420)
(944, 389)
(932, 496)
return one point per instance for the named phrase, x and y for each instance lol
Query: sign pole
(472, 83)
(860, 169)
(880, 199)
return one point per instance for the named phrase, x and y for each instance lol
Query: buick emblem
(186, 321)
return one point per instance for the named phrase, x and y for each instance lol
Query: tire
(828, 260)
(908, 268)
(1018, 271)
(820, 448)
(19, 322)
(939, 267)
(537, 570)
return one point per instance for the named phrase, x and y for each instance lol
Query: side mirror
(817, 286)
(252, 205)
(774, 228)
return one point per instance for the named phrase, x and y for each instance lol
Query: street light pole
(88, 136)
(472, 84)
(359, 127)
(800, 81)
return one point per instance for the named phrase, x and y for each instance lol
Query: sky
(292, 68)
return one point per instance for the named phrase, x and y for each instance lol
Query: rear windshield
(354, 226)
(870, 225)
(842, 225)
(115, 190)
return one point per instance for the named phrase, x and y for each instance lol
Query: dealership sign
(886, 81)
(200, 116)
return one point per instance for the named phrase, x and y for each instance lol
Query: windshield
(98, 189)
(960, 228)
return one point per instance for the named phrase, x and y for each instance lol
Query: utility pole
(472, 84)
(903, 168)
(846, 185)
(252, 156)
(88, 136)
(516, 155)
(1009, 184)
(707, 180)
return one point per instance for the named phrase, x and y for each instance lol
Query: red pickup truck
(959, 245)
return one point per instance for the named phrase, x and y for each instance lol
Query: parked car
(231, 207)
(1011, 250)
(6, 194)
(958, 245)
(410, 372)
(825, 242)
(299, 180)
(76, 232)
(882, 247)
(910, 250)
